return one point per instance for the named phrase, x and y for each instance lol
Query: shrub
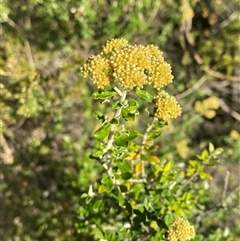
(139, 195)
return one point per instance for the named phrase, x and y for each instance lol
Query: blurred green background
(47, 113)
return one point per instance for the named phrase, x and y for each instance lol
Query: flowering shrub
(138, 196)
(48, 120)
(131, 68)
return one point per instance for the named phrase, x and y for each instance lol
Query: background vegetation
(47, 114)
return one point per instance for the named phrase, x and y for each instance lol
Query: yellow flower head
(180, 230)
(130, 66)
(113, 45)
(99, 71)
(159, 73)
(167, 106)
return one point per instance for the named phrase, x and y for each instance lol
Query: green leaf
(203, 175)
(211, 148)
(84, 195)
(153, 135)
(145, 95)
(88, 200)
(101, 189)
(120, 139)
(124, 166)
(168, 166)
(116, 104)
(133, 106)
(99, 116)
(127, 115)
(102, 133)
(107, 182)
(123, 188)
(114, 121)
(120, 199)
(168, 219)
(123, 139)
(187, 196)
(133, 135)
(203, 156)
(105, 179)
(128, 207)
(160, 123)
(219, 150)
(190, 171)
(146, 203)
(193, 163)
(97, 205)
(137, 189)
(99, 235)
(103, 94)
(96, 154)
(126, 175)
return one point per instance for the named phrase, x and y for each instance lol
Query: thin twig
(107, 165)
(189, 91)
(228, 110)
(116, 116)
(144, 141)
(226, 181)
(220, 75)
(6, 153)
(29, 54)
(28, 47)
(136, 180)
(186, 183)
(214, 73)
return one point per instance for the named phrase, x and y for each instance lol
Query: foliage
(50, 154)
(138, 194)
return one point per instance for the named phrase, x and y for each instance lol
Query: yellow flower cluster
(128, 65)
(167, 106)
(133, 66)
(180, 230)
(97, 68)
(114, 45)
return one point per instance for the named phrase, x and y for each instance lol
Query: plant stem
(117, 115)
(107, 165)
(144, 141)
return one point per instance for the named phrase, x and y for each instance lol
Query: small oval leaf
(127, 115)
(133, 106)
(168, 219)
(126, 175)
(145, 95)
(102, 133)
(168, 166)
(124, 166)
(138, 168)
(123, 139)
(211, 147)
(103, 94)
(99, 116)
(101, 189)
